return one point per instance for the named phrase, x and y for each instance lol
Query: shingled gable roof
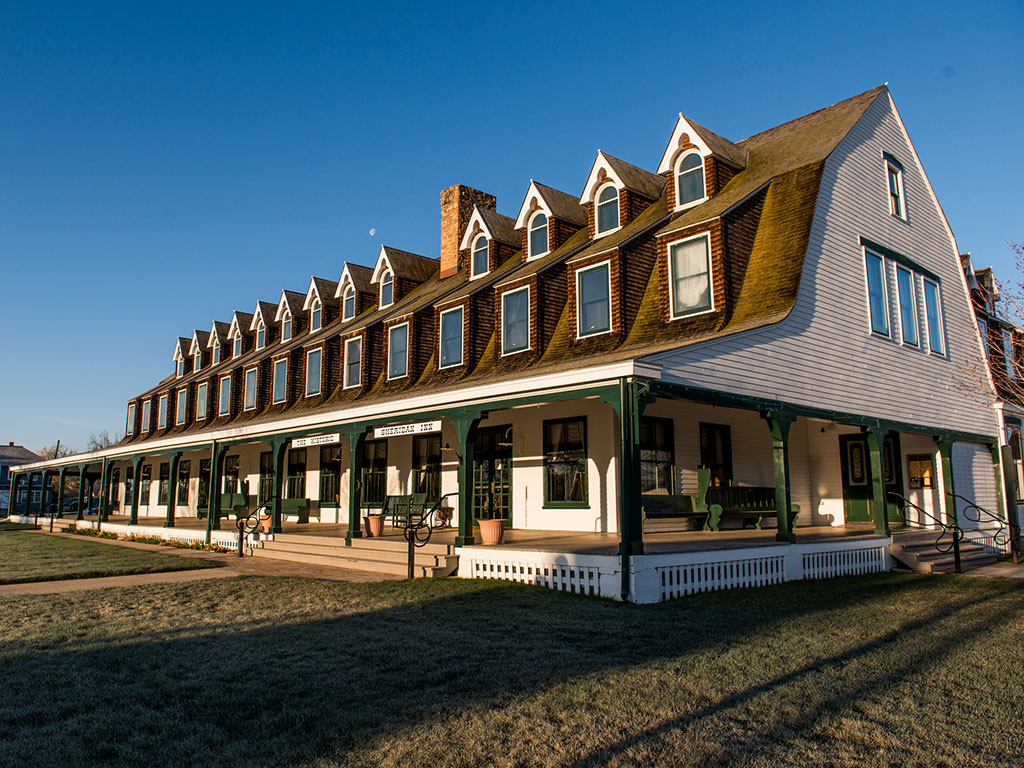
(358, 275)
(410, 266)
(240, 324)
(557, 203)
(623, 174)
(293, 300)
(494, 225)
(200, 341)
(265, 311)
(734, 154)
(181, 348)
(326, 290)
(218, 333)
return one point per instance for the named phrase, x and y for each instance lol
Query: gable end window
(130, 429)
(908, 305)
(280, 380)
(216, 354)
(689, 266)
(224, 402)
(933, 315)
(161, 419)
(238, 345)
(348, 303)
(690, 179)
(538, 240)
(607, 215)
(316, 316)
(180, 370)
(147, 409)
(353, 362)
(180, 406)
(201, 401)
(398, 351)
(894, 182)
(387, 289)
(451, 337)
(515, 321)
(480, 262)
(197, 360)
(593, 300)
(313, 360)
(249, 399)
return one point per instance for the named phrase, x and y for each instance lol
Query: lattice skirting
(691, 578)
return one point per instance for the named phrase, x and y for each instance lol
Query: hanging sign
(306, 442)
(419, 428)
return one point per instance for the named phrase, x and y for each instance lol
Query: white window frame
(1009, 360)
(320, 382)
(891, 167)
(147, 416)
(938, 313)
(529, 235)
(161, 412)
(529, 322)
(408, 345)
(180, 406)
(221, 400)
(672, 281)
(618, 209)
(130, 428)
(255, 373)
(197, 361)
(216, 354)
(913, 305)
(314, 308)
(473, 274)
(346, 384)
(606, 265)
(261, 335)
(286, 326)
(885, 294)
(349, 292)
(462, 337)
(273, 382)
(179, 368)
(236, 347)
(704, 180)
(205, 389)
(387, 277)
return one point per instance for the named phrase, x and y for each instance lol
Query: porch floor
(568, 541)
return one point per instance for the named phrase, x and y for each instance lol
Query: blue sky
(162, 165)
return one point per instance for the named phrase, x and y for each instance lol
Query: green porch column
(465, 424)
(280, 449)
(28, 494)
(220, 453)
(80, 515)
(136, 502)
(43, 488)
(356, 439)
(100, 507)
(949, 489)
(876, 440)
(61, 477)
(1010, 490)
(172, 490)
(997, 469)
(631, 526)
(779, 424)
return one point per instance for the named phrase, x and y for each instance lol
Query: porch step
(374, 555)
(917, 552)
(669, 524)
(60, 525)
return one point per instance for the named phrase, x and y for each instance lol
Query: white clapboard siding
(823, 353)
(974, 478)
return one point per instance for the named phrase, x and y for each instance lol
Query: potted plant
(374, 524)
(492, 532)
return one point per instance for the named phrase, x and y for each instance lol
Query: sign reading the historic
(306, 442)
(419, 428)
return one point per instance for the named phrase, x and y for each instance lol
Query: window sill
(566, 505)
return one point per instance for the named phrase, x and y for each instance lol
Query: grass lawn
(28, 556)
(890, 670)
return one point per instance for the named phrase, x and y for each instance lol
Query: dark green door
(492, 474)
(855, 462)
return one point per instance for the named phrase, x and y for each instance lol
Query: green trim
(778, 425)
(585, 502)
(892, 159)
(876, 440)
(898, 257)
(949, 500)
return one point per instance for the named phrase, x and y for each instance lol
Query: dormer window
(261, 336)
(348, 303)
(480, 263)
(690, 179)
(286, 326)
(689, 266)
(197, 360)
(387, 289)
(181, 368)
(538, 234)
(238, 346)
(607, 217)
(315, 316)
(216, 354)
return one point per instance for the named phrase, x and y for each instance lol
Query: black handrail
(248, 525)
(417, 533)
(953, 530)
(1008, 532)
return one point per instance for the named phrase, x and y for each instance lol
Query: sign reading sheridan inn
(419, 428)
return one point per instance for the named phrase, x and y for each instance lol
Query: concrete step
(435, 568)
(389, 544)
(933, 561)
(421, 557)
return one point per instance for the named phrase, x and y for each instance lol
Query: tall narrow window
(451, 337)
(280, 380)
(353, 362)
(249, 398)
(908, 304)
(181, 406)
(607, 209)
(426, 466)
(348, 303)
(163, 485)
(197, 360)
(296, 480)
(316, 316)
(224, 401)
(690, 179)
(147, 409)
(1008, 357)
(398, 351)
(515, 321)
(895, 180)
(330, 476)
(716, 452)
(184, 475)
(231, 484)
(145, 484)
(161, 418)
(878, 300)
(593, 297)
(238, 345)
(201, 401)
(689, 264)
(130, 428)
(565, 462)
(181, 367)
(538, 234)
(286, 326)
(481, 256)
(657, 455)
(261, 336)
(313, 359)
(375, 472)
(387, 289)
(933, 312)
(216, 354)
(266, 486)
(203, 489)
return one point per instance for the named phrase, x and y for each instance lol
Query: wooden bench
(748, 504)
(666, 507)
(405, 508)
(236, 504)
(299, 507)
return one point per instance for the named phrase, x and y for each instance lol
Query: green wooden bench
(236, 504)
(681, 505)
(298, 507)
(404, 508)
(748, 504)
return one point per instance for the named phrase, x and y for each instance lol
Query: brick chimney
(457, 203)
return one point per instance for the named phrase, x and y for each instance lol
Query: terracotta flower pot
(374, 525)
(492, 532)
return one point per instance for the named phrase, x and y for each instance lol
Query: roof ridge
(877, 88)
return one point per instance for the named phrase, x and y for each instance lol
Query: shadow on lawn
(281, 694)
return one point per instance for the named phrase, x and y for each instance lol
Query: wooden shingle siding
(547, 302)
(637, 259)
(739, 228)
(481, 326)
(823, 354)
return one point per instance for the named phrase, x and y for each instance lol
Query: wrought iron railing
(944, 529)
(418, 531)
(1006, 533)
(249, 524)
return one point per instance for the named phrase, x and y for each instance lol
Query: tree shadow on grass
(252, 693)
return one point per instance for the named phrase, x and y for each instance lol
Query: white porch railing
(223, 538)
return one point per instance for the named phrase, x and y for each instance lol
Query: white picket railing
(690, 578)
(559, 571)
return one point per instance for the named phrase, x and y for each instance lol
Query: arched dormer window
(690, 179)
(387, 289)
(261, 336)
(315, 316)
(238, 345)
(286, 326)
(538, 234)
(216, 354)
(607, 209)
(348, 303)
(481, 260)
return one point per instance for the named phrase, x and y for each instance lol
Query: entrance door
(855, 461)
(492, 474)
